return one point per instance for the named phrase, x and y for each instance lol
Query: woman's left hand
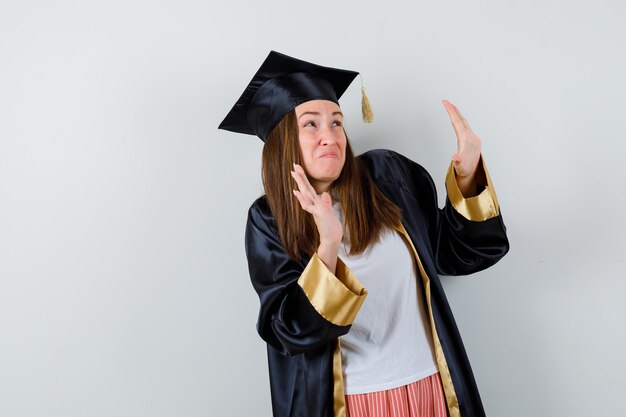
(467, 156)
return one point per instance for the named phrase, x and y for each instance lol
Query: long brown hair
(366, 210)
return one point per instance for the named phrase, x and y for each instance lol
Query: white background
(124, 288)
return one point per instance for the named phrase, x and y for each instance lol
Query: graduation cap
(281, 84)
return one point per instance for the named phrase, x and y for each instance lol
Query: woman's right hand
(328, 225)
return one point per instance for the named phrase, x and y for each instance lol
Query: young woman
(345, 253)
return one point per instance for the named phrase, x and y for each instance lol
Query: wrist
(329, 246)
(467, 185)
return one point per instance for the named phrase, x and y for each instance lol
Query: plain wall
(124, 288)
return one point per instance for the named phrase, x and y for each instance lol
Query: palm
(320, 206)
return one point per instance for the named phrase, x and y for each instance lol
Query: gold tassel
(366, 107)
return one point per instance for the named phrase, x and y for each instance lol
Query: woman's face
(322, 142)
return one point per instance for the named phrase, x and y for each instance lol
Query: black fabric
(282, 83)
(301, 342)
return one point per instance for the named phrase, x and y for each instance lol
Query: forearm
(467, 185)
(328, 252)
(472, 185)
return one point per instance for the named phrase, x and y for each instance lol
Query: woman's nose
(327, 137)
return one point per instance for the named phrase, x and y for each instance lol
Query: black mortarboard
(281, 84)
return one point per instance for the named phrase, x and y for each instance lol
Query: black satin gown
(304, 308)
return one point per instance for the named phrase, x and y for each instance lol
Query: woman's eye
(337, 123)
(309, 124)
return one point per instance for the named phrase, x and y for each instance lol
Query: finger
(305, 179)
(305, 199)
(463, 120)
(326, 199)
(457, 162)
(302, 180)
(306, 195)
(457, 123)
(309, 208)
(305, 206)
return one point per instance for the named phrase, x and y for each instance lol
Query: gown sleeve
(303, 305)
(468, 234)
(471, 234)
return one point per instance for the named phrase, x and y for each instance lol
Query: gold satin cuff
(337, 298)
(484, 206)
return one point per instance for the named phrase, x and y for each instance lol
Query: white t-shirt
(389, 344)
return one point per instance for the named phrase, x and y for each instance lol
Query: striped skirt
(423, 398)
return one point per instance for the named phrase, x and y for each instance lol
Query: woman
(331, 225)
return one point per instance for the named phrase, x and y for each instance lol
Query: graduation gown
(305, 308)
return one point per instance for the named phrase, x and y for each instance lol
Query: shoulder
(379, 156)
(260, 217)
(382, 157)
(388, 166)
(259, 206)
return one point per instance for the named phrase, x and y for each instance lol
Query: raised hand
(328, 225)
(466, 158)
